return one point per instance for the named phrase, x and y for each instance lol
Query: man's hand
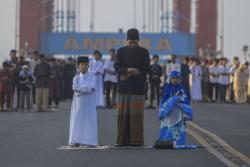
(134, 71)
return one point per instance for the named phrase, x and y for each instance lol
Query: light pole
(134, 14)
(17, 24)
(245, 49)
(92, 15)
(144, 16)
(222, 28)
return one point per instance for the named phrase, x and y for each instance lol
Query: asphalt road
(33, 139)
(228, 121)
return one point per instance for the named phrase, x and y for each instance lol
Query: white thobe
(96, 68)
(195, 82)
(83, 118)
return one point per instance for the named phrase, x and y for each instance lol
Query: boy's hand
(78, 94)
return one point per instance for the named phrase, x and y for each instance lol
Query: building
(183, 10)
(206, 30)
(206, 23)
(35, 17)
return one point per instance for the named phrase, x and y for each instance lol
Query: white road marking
(211, 150)
(221, 142)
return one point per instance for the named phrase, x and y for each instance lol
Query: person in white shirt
(172, 66)
(214, 80)
(83, 118)
(110, 79)
(96, 68)
(224, 74)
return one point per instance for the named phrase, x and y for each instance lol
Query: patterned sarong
(130, 119)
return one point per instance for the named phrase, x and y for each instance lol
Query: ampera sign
(71, 43)
(85, 43)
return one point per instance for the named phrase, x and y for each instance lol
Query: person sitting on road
(175, 109)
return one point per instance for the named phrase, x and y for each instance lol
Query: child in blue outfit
(175, 109)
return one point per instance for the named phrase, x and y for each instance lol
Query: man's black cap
(133, 34)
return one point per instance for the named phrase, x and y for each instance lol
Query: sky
(113, 14)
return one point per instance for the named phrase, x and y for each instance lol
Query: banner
(86, 43)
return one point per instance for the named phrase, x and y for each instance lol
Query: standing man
(224, 73)
(214, 80)
(110, 78)
(5, 86)
(205, 80)
(21, 62)
(13, 57)
(172, 66)
(69, 72)
(185, 72)
(54, 83)
(25, 81)
(132, 65)
(42, 73)
(96, 68)
(155, 74)
(15, 68)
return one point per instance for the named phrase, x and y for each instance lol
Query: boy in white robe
(83, 118)
(96, 68)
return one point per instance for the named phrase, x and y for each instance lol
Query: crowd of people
(124, 80)
(217, 80)
(36, 81)
(40, 81)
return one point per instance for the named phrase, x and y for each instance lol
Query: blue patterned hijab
(174, 90)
